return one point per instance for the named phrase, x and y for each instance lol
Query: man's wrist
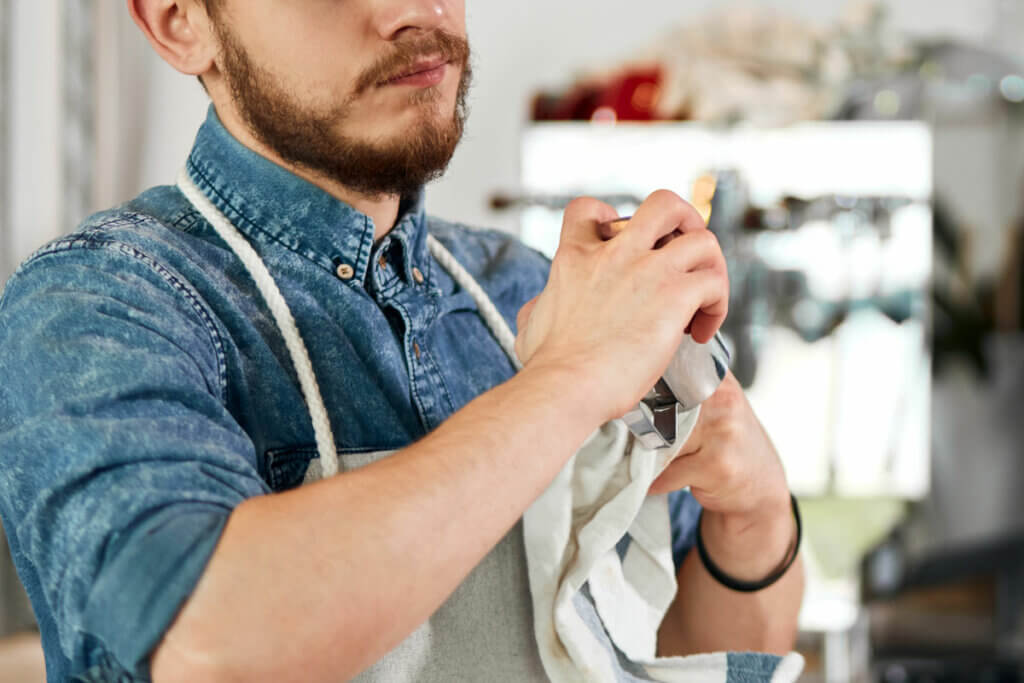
(751, 545)
(570, 389)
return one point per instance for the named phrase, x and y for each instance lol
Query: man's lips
(424, 73)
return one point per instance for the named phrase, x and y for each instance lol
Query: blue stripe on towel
(743, 667)
(622, 547)
(625, 670)
(751, 667)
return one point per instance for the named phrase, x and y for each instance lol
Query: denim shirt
(147, 391)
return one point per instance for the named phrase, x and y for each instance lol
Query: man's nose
(394, 17)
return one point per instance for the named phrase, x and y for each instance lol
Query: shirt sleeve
(683, 511)
(121, 462)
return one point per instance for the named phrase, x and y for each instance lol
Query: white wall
(34, 108)
(150, 113)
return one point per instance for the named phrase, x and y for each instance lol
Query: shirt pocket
(289, 467)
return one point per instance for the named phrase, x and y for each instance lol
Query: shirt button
(417, 276)
(345, 271)
(416, 349)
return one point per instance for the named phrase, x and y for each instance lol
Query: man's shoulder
(146, 249)
(153, 228)
(157, 219)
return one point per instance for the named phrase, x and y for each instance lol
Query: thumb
(685, 470)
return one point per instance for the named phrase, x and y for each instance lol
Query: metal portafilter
(692, 375)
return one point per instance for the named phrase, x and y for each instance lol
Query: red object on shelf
(631, 95)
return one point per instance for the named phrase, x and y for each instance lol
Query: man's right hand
(613, 312)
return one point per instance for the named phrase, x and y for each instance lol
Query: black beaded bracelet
(750, 586)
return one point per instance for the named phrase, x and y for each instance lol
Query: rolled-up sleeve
(121, 460)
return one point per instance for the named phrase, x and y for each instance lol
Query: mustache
(405, 54)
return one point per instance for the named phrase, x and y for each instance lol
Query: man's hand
(734, 472)
(748, 529)
(610, 318)
(613, 312)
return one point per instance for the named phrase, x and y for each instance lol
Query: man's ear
(180, 31)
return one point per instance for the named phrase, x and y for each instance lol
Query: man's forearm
(708, 617)
(318, 583)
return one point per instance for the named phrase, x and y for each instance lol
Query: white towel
(599, 553)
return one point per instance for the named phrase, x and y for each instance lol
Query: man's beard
(310, 138)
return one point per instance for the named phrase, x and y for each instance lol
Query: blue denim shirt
(147, 391)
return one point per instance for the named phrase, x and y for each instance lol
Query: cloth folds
(602, 577)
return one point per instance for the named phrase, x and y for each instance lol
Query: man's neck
(383, 211)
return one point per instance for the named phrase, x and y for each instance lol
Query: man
(150, 402)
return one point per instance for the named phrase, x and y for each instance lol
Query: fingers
(695, 250)
(661, 214)
(704, 325)
(698, 251)
(708, 468)
(702, 298)
(685, 470)
(713, 293)
(712, 454)
(581, 218)
(687, 248)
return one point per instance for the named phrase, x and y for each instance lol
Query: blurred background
(862, 165)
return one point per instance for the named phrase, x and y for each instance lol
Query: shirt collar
(268, 203)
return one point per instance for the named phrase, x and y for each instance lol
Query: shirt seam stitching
(440, 376)
(433, 316)
(364, 252)
(165, 274)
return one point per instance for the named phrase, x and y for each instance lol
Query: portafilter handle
(693, 375)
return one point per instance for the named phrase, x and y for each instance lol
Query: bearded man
(159, 361)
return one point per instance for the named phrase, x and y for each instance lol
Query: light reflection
(1012, 88)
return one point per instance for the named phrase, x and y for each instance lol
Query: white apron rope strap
(286, 322)
(282, 316)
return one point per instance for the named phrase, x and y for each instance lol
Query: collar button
(345, 271)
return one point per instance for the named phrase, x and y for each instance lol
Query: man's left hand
(735, 473)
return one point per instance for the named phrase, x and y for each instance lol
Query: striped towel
(599, 554)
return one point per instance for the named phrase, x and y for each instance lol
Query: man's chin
(412, 131)
(434, 113)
